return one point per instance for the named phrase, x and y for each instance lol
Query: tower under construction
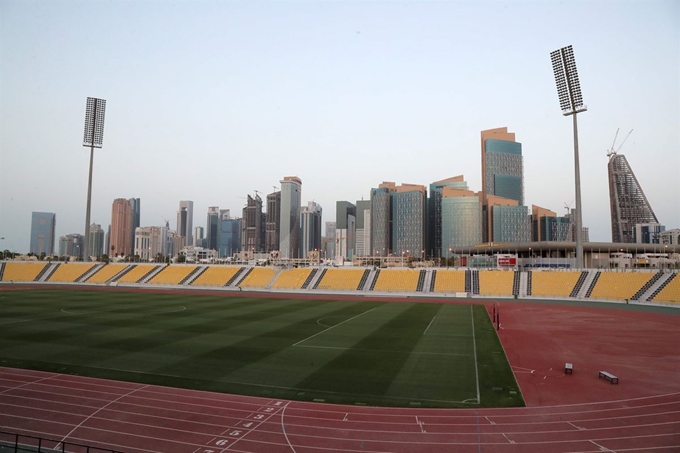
(628, 203)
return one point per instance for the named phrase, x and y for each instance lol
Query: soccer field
(350, 352)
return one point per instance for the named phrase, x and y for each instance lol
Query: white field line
(333, 327)
(474, 348)
(383, 350)
(600, 446)
(95, 413)
(428, 326)
(283, 426)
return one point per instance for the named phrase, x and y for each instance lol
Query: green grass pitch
(349, 352)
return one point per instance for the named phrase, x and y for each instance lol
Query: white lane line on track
(580, 428)
(226, 398)
(149, 406)
(511, 441)
(333, 327)
(26, 384)
(417, 440)
(600, 446)
(95, 413)
(283, 426)
(325, 428)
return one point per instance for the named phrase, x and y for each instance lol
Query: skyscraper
(310, 227)
(42, 233)
(273, 227)
(185, 221)
(229, 238)
(345, 230)
(96, 238)
(121, 224)
(502, 183)
(363, 230)
(136, 206)
(409, 219)
(381, 218)
(212, 230)
(71, 245)
(291, 194)
(461, 219)
(628, 203)
(434, 213)
(252, 226)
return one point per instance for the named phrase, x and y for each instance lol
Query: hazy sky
(210, 101)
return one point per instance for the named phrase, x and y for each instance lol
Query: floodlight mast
(571, 103)
(92, 137)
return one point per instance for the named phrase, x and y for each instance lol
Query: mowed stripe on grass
(376, 353)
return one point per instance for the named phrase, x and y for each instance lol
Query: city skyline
(331, 92)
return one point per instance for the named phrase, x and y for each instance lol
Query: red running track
(575, 413)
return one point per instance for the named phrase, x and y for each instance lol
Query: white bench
(568, 368)
(610, 377)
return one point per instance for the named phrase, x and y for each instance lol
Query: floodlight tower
(93, 137)
(571, 103)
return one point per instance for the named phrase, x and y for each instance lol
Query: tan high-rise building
(121, 228)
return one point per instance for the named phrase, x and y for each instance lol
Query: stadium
(135, 358)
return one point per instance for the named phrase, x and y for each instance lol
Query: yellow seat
(496, 283)
(670, 292)
(216, 276)
(139, 271)
(259, 277)
(68, 273)
(106, 273)
(22, 272)
(449, 281)
(341, 279)
(619, 285)
(172, 275)
(553, 284)
(401, 280)
(292, 278)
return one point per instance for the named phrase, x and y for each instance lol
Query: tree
(181, 258)
(105, 258)
(42, 256)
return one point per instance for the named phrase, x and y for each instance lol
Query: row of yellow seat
(610, 285)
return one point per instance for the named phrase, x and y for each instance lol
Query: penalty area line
(333, 327)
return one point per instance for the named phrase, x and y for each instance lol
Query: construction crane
(275, 188)
(613, 151)
(167, 222)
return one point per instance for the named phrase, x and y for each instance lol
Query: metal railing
(23, 443)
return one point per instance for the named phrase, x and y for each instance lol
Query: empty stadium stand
(136, 273)
(22, 272)
(397, 280)
(172, 275)
(292, 278)
(662, 286)
(341, 279)
(669, 291)
(69, 273)
(216, 276)
(619, 285)
(258, 277)
(106, 273)
(553, 283)
(496, 283)
(449, 281)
